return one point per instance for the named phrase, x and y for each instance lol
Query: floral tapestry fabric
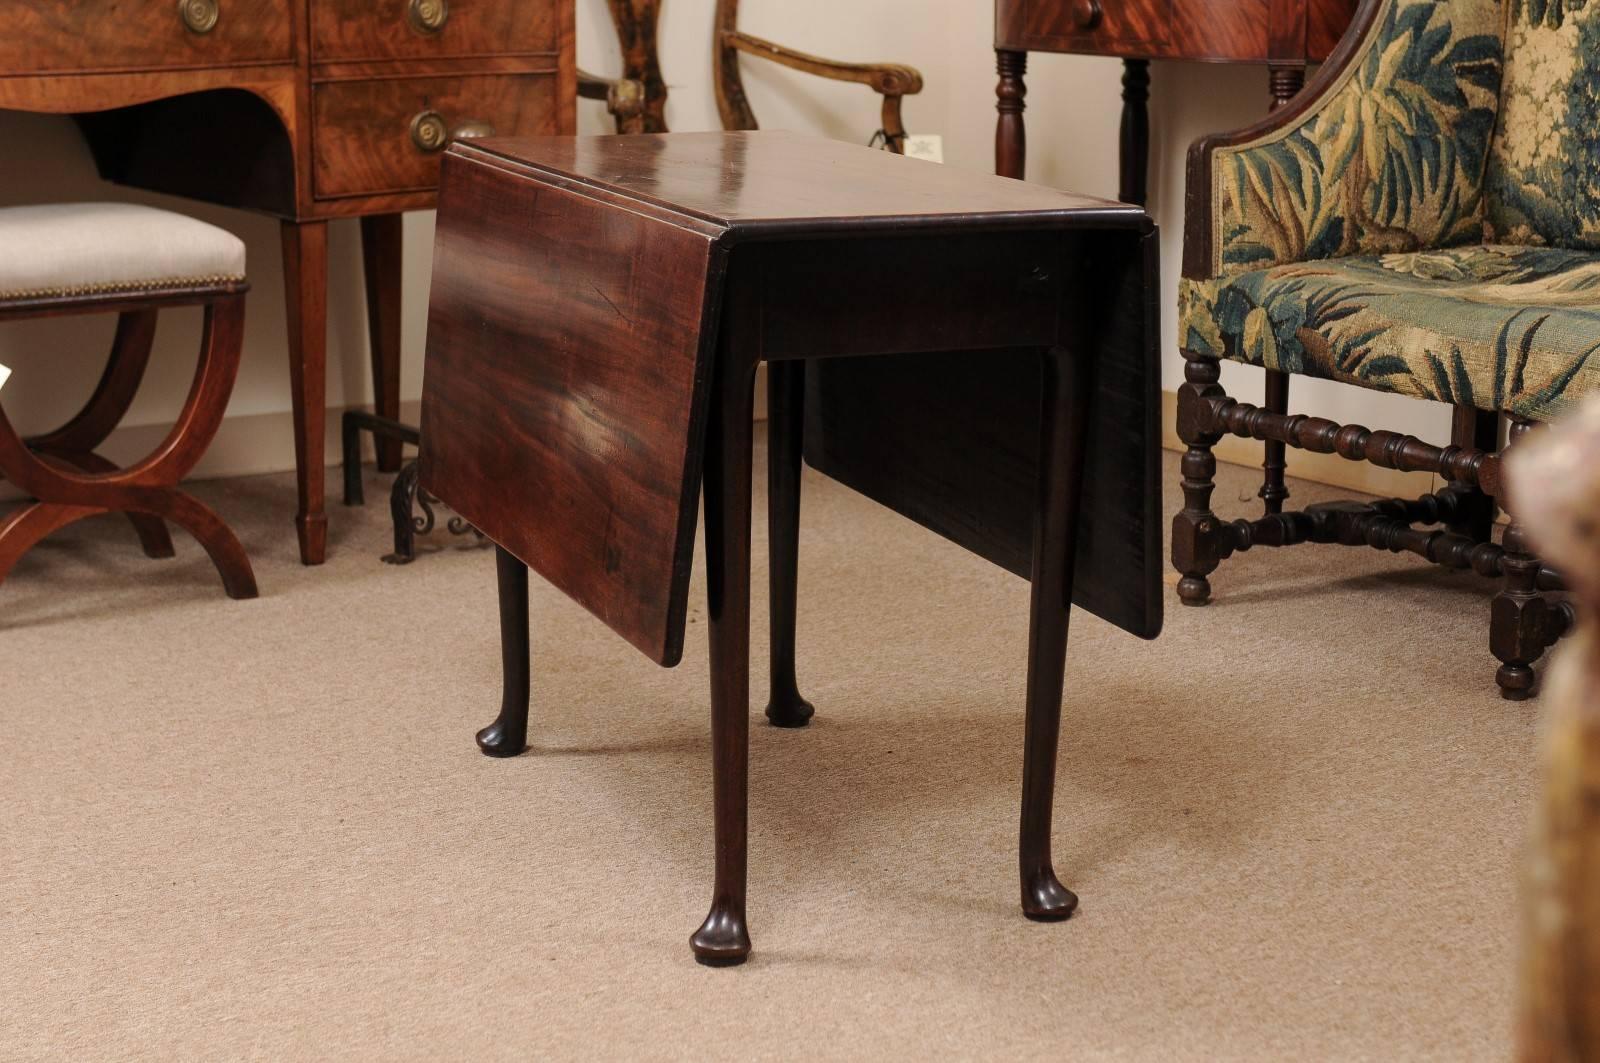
(1544, 172)
(1502, 327)
(1393, 158)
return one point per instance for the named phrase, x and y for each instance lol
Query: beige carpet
(262, 830)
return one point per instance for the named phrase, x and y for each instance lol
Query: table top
(772, 184)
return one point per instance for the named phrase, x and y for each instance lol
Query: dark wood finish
(619, 480)
(508, 735)
(1066, 392)
(723, 938)
(115, 35)
(892, 81)
(301, 108)
(1523, 622)
(1134, 142)
(570, 412)
(382, 240)
(1285, 34)
(355, 30)
(69, 482)
(1011, 100)
(305, 281)
(364, 141)
(786, 383)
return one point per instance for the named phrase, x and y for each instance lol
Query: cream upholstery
(82, 248)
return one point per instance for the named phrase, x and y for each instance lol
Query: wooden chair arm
(624, 98)
(892, 81)
(887, 79)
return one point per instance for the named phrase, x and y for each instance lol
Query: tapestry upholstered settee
(1424, 219)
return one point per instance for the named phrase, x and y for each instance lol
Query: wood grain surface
(1222, 30)
(53, 36)
(382, 29)
(563, 407)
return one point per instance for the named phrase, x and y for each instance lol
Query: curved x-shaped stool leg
(149, 487)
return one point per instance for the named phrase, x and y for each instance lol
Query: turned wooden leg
(1274, 492)
(305, 279)
(1195, 528)
(723, 939)
(785, 399)
(1523, 622)
(1134, 148)
(508, 735)
(1010, 135)
(1474, 429)
(381, 257)
(1068, 385)
(1286, 79)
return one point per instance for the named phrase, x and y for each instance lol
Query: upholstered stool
(97, 258)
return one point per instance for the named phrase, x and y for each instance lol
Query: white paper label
(928, 147)
(4, 373)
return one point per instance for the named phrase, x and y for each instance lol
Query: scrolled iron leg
(785, 396)
(508, 735)
(1068, 383)
(723, 939)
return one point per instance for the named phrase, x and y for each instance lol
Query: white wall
(1073, 107)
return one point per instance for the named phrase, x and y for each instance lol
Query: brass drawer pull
(428, 16)
(430, 132)
(199, 16)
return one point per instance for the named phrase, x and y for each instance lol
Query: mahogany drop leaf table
(973, 352)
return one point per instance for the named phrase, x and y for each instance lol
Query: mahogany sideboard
(1286, 35)
(309, 110)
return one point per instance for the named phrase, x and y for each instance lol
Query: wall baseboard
(1329, 469)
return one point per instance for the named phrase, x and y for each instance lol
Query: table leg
(305, 282)
(785, 436)
(1010, 134)
(508, 735)
(382, 240)
(1068, 383)
(1133, 156)
(722, 939)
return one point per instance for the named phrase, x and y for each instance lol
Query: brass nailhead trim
(121, 287)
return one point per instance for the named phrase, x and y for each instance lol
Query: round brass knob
(428, 16)
(429, 132)
(1086, 14)
(199, 16)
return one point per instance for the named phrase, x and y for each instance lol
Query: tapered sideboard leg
(305, 279)
(508, 735)
(1068, 382)
(723, 939)
(785, 430)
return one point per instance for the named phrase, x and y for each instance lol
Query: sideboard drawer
(85, 35)
(387, 136)
(1079, 23)
(353, 30)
